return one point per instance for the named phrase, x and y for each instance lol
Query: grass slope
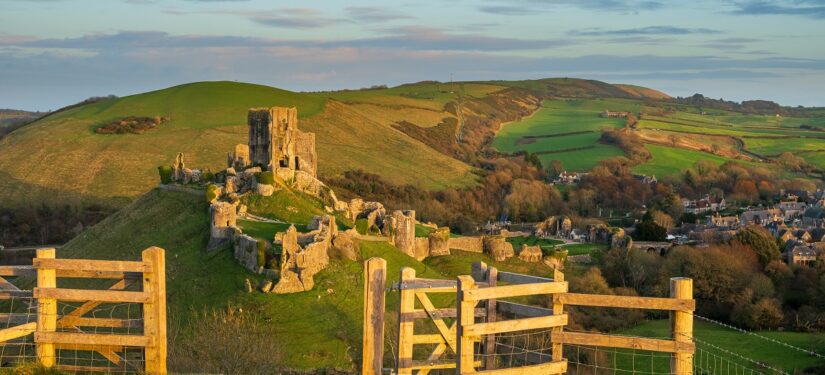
(316, 329)
(745, 345)
(60, 157)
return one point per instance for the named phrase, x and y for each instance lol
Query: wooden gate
(479, 304)
(62, 323)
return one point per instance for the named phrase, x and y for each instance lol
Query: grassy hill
(316, 329)
(61, 157)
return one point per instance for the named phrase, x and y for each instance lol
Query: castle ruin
(275, 143)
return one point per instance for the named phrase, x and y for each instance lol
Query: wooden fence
(479, 306)
(70, 329)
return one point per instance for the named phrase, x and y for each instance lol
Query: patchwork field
(566, 130)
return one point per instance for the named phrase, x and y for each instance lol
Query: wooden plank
(681, 363)
(91, 305)
(434, 338)
(16, 271)
(548, 368)
(480, 329)
(627, 302)
(449, 337)
(82, 369)
(92, 339)
(405, 324)
(442, 313)
(10, 294)
(490, 343)
(6, 285)
(46, 311)
(154, 311)
(91, 265)
(92, 295)
(610, 341)
(523, 311)
(425, 366)
(90, 347)
(557, 349)
(375, 280)
(15, 332)
(517, 278)
(516, 290)
(100, 322)
(86, 274)
(466, 318)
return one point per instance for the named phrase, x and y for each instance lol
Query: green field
(668, 160)
(557, 119)
(708, 335)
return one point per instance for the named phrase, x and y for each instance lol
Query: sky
(58, 52)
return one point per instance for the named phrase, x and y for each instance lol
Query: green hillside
(316, 329)
(61, 158)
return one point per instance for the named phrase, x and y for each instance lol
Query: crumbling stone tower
(275, 141)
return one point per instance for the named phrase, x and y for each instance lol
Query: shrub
(131, 124)
(208, 176)
(361, 226)
(211, 192)
(225, 342)
(165, 172)
(265, 178)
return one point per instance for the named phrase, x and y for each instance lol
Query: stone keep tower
(275, 141)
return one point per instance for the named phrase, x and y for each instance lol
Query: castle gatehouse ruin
(276, 143)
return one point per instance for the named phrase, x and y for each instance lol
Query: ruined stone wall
(246, 252)
(422, 248)
(223, 224)
(498, 248)
(260, 137)
(239, 157)
(439, 242)
(306, 160)
(531, 254)
(470, 244)
(404, 228)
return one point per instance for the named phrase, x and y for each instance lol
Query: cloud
(373, 14)
(403, 38)
(296, 18)
(521, 7)
(805, 8)
(507, 10)
(130, 62)
(649, 30)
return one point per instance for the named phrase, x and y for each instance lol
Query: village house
(760, 217)
(727, 222)
(814, 217)
(799, 253)
(704, 205)
(792, 209)
(607, 114)
(566, 177)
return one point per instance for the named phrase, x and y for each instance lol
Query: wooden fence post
(46, 310)
(405, 323)
(375, 280)
(490, 342)
(466, 317)
(558, 309)
(682, 326)
(154, 312)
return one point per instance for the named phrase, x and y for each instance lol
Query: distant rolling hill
(61, 158)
